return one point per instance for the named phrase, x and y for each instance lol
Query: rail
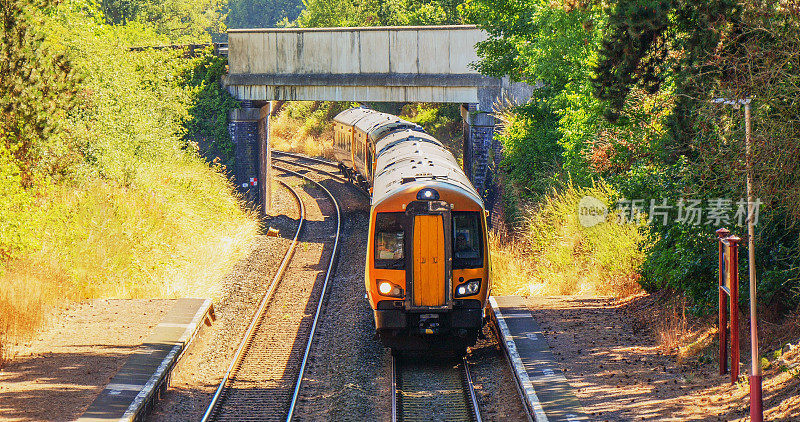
(242, 350)
(327, 173)
(245, 343)
(307, 158)
(331, 263)
(413, 382)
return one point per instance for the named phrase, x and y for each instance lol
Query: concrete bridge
(380, 64)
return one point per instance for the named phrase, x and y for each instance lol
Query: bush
(114, 201)
(531, 151)
(210, 105)
(564, 257)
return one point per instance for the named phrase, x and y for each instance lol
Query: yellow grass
(553, 254)
(173, 232)
(305, 127)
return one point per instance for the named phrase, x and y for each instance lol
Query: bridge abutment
(243, 127)
(249, 129)
(482, 154)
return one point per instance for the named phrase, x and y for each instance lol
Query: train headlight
(386, 288)
(428, 194)
(470, 288)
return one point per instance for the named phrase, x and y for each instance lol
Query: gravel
(346, 378)
(495, 386)
(197, 375)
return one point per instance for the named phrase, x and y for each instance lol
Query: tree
(38, 85)
(180, 20)
(332, 13)
(261, 13)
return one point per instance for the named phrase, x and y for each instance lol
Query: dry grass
(172, 233)
(24, 300)
(305, 127)
(511, 272)
(553, 254)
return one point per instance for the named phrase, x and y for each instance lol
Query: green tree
(210, 105)
(182, 21)
(333, 13)
(38, 85)
(261, 13)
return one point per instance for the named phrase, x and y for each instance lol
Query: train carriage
(427, 270)
(356, 131)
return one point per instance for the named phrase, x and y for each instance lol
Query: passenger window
(389, 240)
(467, 240)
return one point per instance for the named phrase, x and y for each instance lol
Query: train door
(429, 261)
(369, 164)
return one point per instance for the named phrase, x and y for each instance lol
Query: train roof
(352, 115)
(410, 157)
(374, 123)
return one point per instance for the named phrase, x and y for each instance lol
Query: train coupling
(429, 324)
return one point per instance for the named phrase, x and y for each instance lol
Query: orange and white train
(427, 264)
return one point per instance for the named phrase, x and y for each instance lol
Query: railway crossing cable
(248, 336)
(440, 382)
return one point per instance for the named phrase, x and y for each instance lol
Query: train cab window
(389, 240)
(467, 240)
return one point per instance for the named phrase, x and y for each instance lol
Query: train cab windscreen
(467, 240)
(389, 241)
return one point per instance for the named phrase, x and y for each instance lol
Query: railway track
(422, 390)
(307, 158)
(425, 390)
(336, 174)
(250, 389)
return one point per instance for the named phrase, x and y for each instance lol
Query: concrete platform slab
(542, 384)
(133, 390)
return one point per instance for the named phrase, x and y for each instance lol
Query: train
(427, 262)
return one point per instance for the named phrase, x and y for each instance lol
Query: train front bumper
(466, 314)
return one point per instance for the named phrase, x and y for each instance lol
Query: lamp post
(756, 402)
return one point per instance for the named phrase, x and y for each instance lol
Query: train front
(427, 272)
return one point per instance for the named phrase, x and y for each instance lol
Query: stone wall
(243, 127)
(482, 156)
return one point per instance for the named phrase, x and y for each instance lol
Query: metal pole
(723, 303)
(756, 412)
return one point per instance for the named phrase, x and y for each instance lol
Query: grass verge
(553, 254)
(173, 232)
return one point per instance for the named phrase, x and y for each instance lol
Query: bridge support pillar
(243, 127)
(482, 154)
(249, 129)
(265, 158)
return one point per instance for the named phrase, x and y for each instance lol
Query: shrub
(564, 257)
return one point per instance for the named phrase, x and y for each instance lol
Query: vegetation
(626, 100)
(262, 13)
(555, 254)
(327, 13)
(104, 193)
(112, 162)
(305, 126)
(210, 104)
(181, 21)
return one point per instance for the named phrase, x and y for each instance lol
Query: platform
(543, 387)
(134, 389)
